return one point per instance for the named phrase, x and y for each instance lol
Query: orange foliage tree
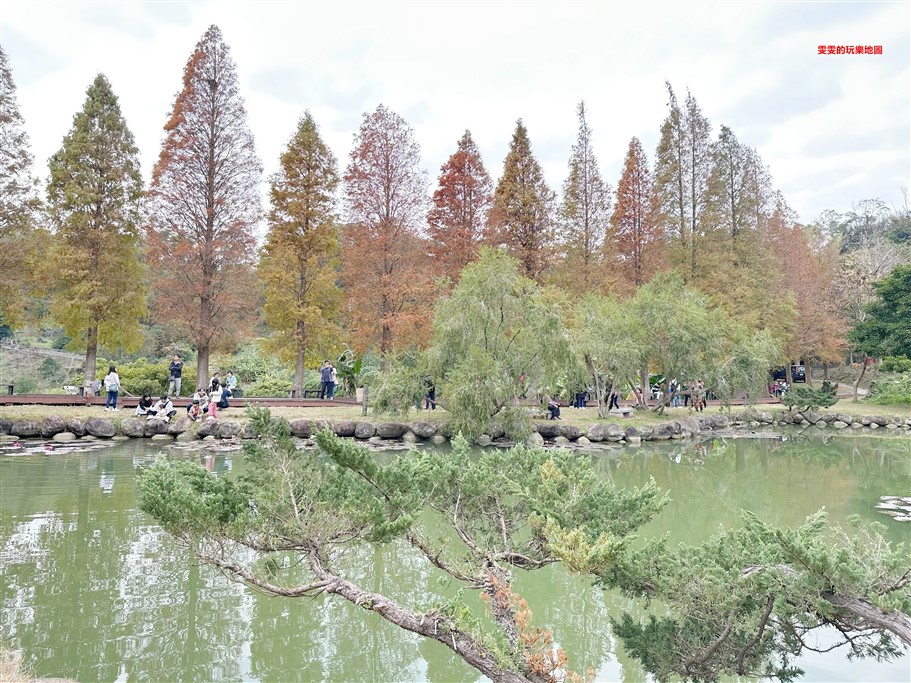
(460, 207)
(204, 207)
(636, 235)
(386, 271)
(809, 268)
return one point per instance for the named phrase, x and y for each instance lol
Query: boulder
(811, 417)
(496, 431)
(162, 437)
(719, 421)
(874, 425)
(410, 437)
(839, 424)
(100, 427)
(561, 441)
(208, 427)
(690, 425)
(301, 428)
(764, 416)
(548, 430)
(375, 440)
(133, 427)
(424, 430)
(881, 420)
(439, 439)
(583, 441)
(229, 429)
(189, 435)
(613, 432)
(5, 426)
(52, 424)
(247, 433)
(120, 437)
(76, 425)
(26, 428)
(155, 427)
(319, 425)
(634, 440)
(390, 430)
(841, 417)
(180, 425)
(484, 440)
(827, 417)
(631, 433)
(663, 432)
(595, 433)
(856, 425)
(534, 440)
(866, 420)
(65, 437)
(646, 433)
(89, 437)
(364, 430)
(570, 432)
(345, 428)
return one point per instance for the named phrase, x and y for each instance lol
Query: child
(144, 404)
(214, 398)
(194, 412)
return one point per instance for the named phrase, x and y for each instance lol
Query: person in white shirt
(162, 410)
(112, 386)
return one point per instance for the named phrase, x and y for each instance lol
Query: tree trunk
(646, 389)
(825, 371)
(787, 373)
(893, 621)
(91, 354)
(863, 371)
(202, 366)
(432, 625)
(297, 390)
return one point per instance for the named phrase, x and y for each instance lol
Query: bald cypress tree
(205, 205)
(18, 201)
(94, 195)
(522, 215)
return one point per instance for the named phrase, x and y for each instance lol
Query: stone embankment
(60, 429)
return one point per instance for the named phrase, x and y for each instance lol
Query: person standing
(112, 385)
(325, 379)
(333, 377)
(175, 370)
(215, 393)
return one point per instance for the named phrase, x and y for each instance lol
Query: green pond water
(93, 590)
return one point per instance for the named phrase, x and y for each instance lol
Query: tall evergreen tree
(386, 274)
(682, 170)
(297, 263)
(521, 218)
(460, 208)
(94, 196)
(584, 214)
(205, 205)
(18, 201)
(635, 234)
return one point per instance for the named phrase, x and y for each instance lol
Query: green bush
(278, 385)
(895, 364)
(50, 369)
(891, 389)
(805, 398)
(24, 384)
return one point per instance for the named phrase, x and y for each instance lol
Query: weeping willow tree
(497, 339)
(745, 602)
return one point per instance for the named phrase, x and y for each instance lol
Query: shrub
(24, 384)
(805, 398)
(50, 370)
(891, 389)
(895, 364)
(271, 385)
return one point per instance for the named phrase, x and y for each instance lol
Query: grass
(570, 416)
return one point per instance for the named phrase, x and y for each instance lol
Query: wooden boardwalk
(132, 401)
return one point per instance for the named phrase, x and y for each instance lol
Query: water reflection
(91, 588)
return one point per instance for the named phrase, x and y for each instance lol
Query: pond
(93, 590)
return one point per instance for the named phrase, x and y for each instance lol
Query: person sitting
(203, 399)
(144, 404)
(194, 410)
(162, 410)
(231, 383)
(552, 407)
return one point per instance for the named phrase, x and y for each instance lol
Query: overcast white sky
(833, 129)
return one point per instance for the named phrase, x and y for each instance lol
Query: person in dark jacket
(175, 370)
